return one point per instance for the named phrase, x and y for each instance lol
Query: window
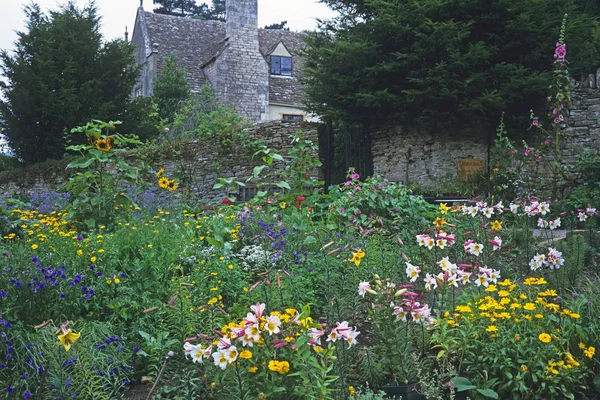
(281, 65)
(292, 117)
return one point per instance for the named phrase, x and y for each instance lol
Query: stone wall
(197, 166)
(427, 158)
(421, 156)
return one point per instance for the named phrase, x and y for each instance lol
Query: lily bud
(400, 292)
(371, 291)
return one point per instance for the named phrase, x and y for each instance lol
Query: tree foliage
(281, 26)
(450, 62)
(171, 88)
(189, 8)
(61, 75)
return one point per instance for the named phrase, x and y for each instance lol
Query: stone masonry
(197, 167)
(240, 74)
(427, 158)
(421, 156)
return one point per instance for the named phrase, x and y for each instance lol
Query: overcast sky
(116, 14)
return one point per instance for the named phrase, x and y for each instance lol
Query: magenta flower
(561, 51)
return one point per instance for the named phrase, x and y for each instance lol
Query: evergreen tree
(280, 26)
(60, 76)
(448, 62)
(171, 89)
(189, 8)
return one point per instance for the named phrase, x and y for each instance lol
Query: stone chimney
(242, 19)
(240, 75)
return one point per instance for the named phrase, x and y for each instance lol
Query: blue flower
(27, 395)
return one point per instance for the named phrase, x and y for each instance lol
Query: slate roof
(195, 42)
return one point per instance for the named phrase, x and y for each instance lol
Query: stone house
(255, 71)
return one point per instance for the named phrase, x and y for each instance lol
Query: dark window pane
(286, 66)
(275, 65)
(292, 117)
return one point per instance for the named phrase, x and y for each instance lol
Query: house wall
(144, 56)
(276, 112)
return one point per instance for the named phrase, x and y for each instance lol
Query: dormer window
(281, 65)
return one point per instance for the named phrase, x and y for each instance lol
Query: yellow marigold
(491, 288)
(506, 282)
(503, 293)
(589, 353)
(246, 354)
(545, 338)
(491, 328)
(529, 306)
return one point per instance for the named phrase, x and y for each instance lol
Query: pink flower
(561, 51)
(527, 151)
(535, 122)
(354, 176)
(538, 159)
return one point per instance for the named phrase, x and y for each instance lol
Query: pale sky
(116, 14)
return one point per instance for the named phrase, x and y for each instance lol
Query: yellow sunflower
(163, 183)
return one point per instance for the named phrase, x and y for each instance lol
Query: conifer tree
(60, 76)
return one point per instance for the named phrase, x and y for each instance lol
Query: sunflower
(160, 172)
(163, 183)
(103, 144)
(172, 185)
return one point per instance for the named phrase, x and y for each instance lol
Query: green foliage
(377, 204)
(171, 89)
(445, 62)
(203, 117)
(587, 179)
(101, 172)
(60, 76)
(8, 163)
(280, 26)
(189, 8)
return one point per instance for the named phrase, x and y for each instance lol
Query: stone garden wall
(196, 167)
(428, 158)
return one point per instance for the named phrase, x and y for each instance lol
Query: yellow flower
(34, 246)
(246, 354)
(93, 259)
(491, 328)
(67, 339)
(163, 183)
(351, 388)
(117, 280)
(529, 306)
(523, 368)
(496, 225)
(545, 338)
(282, 204)
(439, 222)
(574, 315)
(443, 208)
(160, 172)
(108, 281)
(79, 252)
(172, 185)
(253, 369)
(356, 257)
(589, 353)
(582, 345)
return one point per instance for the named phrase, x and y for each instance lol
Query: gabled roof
(195, 42)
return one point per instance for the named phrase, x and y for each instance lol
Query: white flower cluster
(553, 259)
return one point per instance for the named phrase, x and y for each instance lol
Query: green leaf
(462, 384)
(258, 169)
(488, 393)
(261, 193)
(283, 185)
(91, 222)
(310, 240)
